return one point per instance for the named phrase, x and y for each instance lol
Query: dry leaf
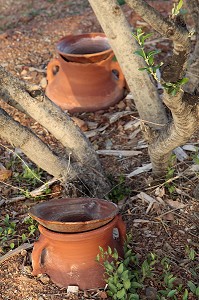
(160, 191)
(175, 204)
(5, 174)
(103, 295)
(168, 217)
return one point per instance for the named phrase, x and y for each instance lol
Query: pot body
(84, 87)
(70, 259)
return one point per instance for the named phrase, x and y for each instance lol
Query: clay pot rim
(109, 212)
(77, 236)
(83, 56)
(85, 64)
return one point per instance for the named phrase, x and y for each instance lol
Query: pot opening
(75, 218)
(84, 46)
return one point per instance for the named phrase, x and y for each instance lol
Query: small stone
(43, 82)
(40, 298)
(151, 293)
(44, 278)
(23, 252)
(74, 289)
(24, 72)
(121, 105)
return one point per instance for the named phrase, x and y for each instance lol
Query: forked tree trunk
(85, 163)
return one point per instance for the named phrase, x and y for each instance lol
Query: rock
(121, 105)
(24, 72)
(74, 289)
(23, 252)
(151, 293)
(43, 82)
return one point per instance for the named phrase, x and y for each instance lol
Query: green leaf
(112, 288)
(143, 38)
(143, 69)
(98, 257)
(171, 293)
(184, 80)
(192, 254)
(192, 286)
(134, 297)
(139, 53)
(12, 245)
(120, 269)
(179, 5)
(125, 275)
(153, 52)
(121, 293)
(136, 285)
(185, 295)
(127, 284)
(197, 291)
(109, 250)
(119, 286)
(121, 2)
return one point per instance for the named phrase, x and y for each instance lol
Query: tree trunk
(117, 30)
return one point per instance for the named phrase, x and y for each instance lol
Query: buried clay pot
(70, 259)
(86, 81)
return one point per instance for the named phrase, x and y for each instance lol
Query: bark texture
(118, 31)
(193, 70)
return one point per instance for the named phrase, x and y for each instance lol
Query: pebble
(74, 289)
(24, 72)
(43, 82)
(23, 252)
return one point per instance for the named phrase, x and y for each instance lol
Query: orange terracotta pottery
(87, 78)
(70, 258)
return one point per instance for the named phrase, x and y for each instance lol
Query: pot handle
(39, 246)
(121, 228)
(50, 69)
(121, 78)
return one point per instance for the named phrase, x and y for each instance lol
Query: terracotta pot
(74, 214)
(70, 259)
(84, 48)
(80, 87)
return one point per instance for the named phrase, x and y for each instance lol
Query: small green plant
(170, 174)
(176, 8)
(170, 87)
(119, 190)
(122, 282)
(7, 231)
(191, 253)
